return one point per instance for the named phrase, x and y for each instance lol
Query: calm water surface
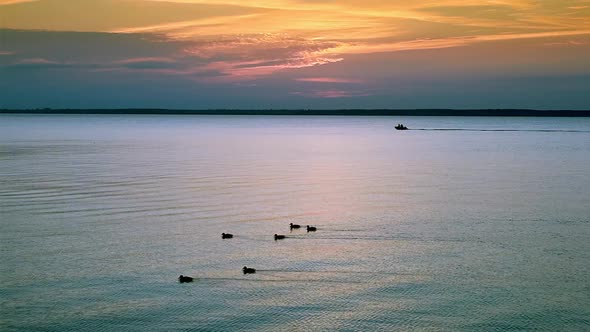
(417, 230)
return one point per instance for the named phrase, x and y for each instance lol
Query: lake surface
(421, 230)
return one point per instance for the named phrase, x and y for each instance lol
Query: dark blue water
(469, 229)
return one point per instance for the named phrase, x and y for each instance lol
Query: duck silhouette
(248, 270)
(226, 236)
(292, 225)
(311, 228)
(279, 237)
(183, 279)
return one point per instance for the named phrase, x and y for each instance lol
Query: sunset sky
(201, 54)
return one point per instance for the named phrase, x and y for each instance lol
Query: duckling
(292, 225)
(183, 279)
(248, 270)
(226, 236)
(279, 237)
(311, 228)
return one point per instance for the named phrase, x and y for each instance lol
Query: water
(438, 230)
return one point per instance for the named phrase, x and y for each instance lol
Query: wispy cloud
(568, 43)
(331, 93)
(330, 80)
(247, 56)
(10, 2)
(149, 63)
(426, 44)
(38, 63)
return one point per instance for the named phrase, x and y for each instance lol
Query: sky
(295, 54)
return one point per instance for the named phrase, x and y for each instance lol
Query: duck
(311, 228)
(248, 270)
(226, 236)
(183, 279)
(292, 225)
(279, 237)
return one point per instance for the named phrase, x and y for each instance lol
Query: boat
(401, 127)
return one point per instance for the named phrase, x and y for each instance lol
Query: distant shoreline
(341, 112)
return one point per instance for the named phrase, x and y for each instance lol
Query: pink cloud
(146, 59)
(40, 63)
(329, 80)
(250, 56)
(331, 94)
(36, 61)
(247, 70)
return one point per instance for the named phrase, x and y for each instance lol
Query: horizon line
(302, 111)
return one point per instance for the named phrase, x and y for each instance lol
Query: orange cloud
(260, 37)
(9, 2)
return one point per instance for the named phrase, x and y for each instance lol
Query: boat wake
(518, 130)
